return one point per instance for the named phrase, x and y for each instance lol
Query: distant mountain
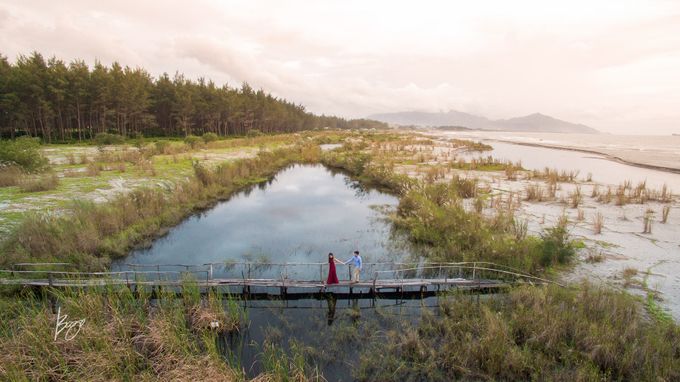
(420, 118)
(534, 123)
(544, 123)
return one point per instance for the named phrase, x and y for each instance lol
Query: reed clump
(626, 194)
(665, 212)
(534, 192)
(575, 197)
(535, 333)
(10, 175)
(38, 183)
(647, 220)
(554, 175)
(598, 223)
(469, 145)
(124, 337)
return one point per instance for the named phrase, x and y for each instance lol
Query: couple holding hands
(355, 261)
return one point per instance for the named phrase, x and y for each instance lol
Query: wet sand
(649, 151)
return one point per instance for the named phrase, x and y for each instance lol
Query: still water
(298, 217)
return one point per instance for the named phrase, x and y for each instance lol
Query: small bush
(254, 133)
(23, 152)
(203, 174)
(556, 248)
(210, 137)
(192, 141)
(39, 183)
(104, 139)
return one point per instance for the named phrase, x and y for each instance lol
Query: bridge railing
(463, 270)
(313, 272)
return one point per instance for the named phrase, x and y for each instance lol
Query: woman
(332, 275)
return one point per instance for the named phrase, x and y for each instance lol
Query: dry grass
(595, 192)
(10, 176)
(594, 256)
(93, 169)
(534, 192)
(575, 197)
(598, 223)
(665, 211)
(543, 334)
(628, 276)
(123, 338)
(38, 183)
(640, 194)
(647, 220)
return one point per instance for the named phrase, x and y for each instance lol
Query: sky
(612, 65)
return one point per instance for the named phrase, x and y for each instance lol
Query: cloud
(611, 64)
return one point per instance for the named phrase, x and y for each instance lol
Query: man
(357, 264)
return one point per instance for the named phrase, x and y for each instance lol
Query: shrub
(556, 246)
(254, 133)
(210, 137)
(203, 174)
(23, 152)
(104, 139)
(161, 146)
(192, 140)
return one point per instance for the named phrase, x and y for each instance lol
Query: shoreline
(610, 157)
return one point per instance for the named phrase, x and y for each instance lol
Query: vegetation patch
(123, 336)
(534, 333)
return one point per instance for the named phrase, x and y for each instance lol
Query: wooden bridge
(289, 280)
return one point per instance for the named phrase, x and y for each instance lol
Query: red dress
(332, 276)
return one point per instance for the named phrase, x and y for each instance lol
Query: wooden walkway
(253, 283)
(433, 278)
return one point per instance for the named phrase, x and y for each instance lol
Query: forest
(61, 102)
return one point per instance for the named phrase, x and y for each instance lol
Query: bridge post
(50, 279)
(474, 270)
(321, 273)
(375, 278)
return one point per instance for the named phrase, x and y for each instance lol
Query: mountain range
(536, 122)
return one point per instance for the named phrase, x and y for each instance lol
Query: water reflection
(303, 213)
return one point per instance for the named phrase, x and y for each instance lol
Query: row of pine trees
(62, 102)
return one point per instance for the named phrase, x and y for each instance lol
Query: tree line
(56, 101)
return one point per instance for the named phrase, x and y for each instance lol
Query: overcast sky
(613, 65)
